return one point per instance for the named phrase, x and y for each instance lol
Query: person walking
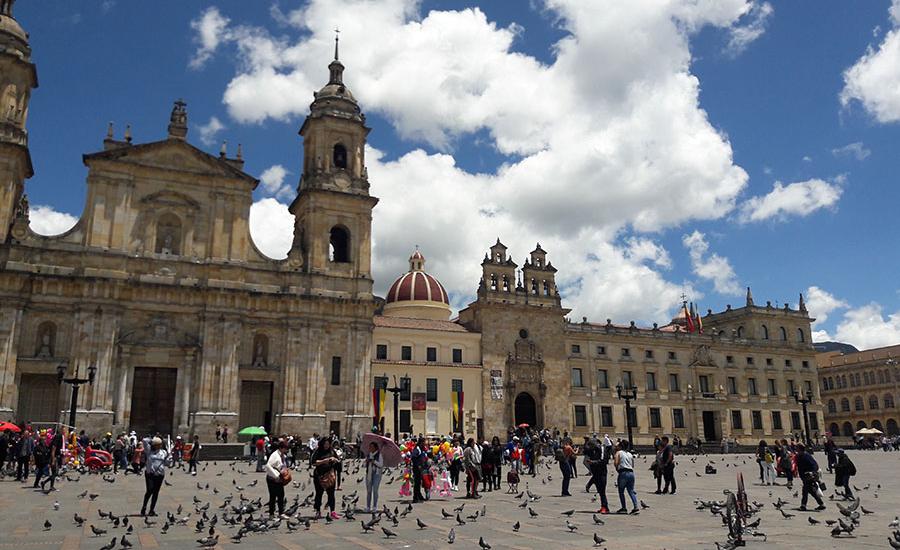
(624, 463)
(456, 464)
(277, 476)
(786, 463)
(656, 467)
(667, 465)
(23, 451)
(41, 460)
(225, 434)
(418, 458)
(374, 471)
(324, 460)
(768, 463)
(497, 459)
(57, 442)
(597, 461)
(844, 469)
(830, 449)
(487, 467)
(154, 474)
(808, 472)
(564, 457)
(472, 464)
(218, 433)
(195, 456)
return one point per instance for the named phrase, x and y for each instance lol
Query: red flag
(688, 318)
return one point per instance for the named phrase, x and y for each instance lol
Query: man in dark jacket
(844, 469)
(24, 449)
(597, 460)
(667, 465)
(808, 472)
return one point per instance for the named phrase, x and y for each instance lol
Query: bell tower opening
(339, 245)
(339, 156)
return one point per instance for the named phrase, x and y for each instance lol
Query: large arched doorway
(877, 425)
(834, 429)
(892, 427)
(526, 412)
(847, 429)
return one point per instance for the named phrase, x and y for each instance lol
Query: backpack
(851, 467)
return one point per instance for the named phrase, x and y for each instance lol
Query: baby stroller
(97, 460)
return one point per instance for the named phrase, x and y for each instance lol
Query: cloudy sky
(653, 148)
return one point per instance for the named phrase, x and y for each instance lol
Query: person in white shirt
(313, 443)
(624, 462)
(275, 478)
(154, 474)
(374, 470)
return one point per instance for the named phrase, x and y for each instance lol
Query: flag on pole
(456, 402)
(687, 317)
(699, 321)
(378, 395)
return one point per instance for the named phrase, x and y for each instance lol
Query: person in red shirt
(260, 454)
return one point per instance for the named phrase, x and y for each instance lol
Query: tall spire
(749, 297)
(802, 305)
(336, 68)
(6, 7)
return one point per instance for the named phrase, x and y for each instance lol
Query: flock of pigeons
(243, 517)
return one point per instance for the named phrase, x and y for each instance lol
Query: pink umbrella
(390, 452)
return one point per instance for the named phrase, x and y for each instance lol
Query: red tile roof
(418, 324)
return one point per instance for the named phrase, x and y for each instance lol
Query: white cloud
(272, 180)
(795, 199)
(594, 150)
(856, 149)
(44, 220)
(711, 267)
(211, 29)
(866, 327)
(272, 227)
(874, 80)
(821, 336)
(210, 130)
(742, 35)
(820, 303)
(807, 158)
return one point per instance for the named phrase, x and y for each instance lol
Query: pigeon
(388, 533)
(93, 496)
(56, 505)
(47, 525)
(598, 540)
(484, 545)
(451, 536)
(420, 524)
(644, 506)
(78, 520)
(459, 520)
(895, 523)
(97, 531)
(206, 540)
(893, 543)
(866, 512)
(366, 527)
(532, 513)
(110, 546)
(568, 513)
(785, 514)
(445, 514)
(597, 520)
(571, 526)
(813, 521)
(210, 542)
(82, 495)
(516, 527)
(124, 543)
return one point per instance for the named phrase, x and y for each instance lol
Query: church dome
(417, 294)
(11, 28)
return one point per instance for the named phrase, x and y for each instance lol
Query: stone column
(359, 401)
(10, 323)
(229, 379)
(125, 374)
(293, 399)
(187, 372)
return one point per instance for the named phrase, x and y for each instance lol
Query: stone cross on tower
(178, 121)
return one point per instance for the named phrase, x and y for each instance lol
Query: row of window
(782, 333)
(671, 356)
(405, 385)
(856, 379)
(675, 385)
(406, 353)
(858, 403)
(654, 415)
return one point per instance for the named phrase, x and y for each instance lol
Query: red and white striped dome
(416, 285)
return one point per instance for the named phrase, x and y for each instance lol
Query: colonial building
(858, 390)
(160, 290)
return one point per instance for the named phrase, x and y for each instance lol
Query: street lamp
(627, 394)
(396, 391)
(76, 383)
(804, 401)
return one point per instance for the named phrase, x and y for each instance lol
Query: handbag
(285, 476)
(327, 480)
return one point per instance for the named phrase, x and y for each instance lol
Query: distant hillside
(823, 347)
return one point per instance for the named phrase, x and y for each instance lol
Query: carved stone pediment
(159, 332)
(170, 199)
(701, 357)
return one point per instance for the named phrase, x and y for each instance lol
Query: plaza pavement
(670, 521)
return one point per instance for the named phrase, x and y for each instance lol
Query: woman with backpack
(844, 469)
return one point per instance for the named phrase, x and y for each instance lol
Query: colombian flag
(378, 396)
(688, 316)
(699, 321)
(456, 402)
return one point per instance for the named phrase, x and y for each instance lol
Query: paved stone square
(669, 522)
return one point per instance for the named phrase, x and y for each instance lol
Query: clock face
(342, 180)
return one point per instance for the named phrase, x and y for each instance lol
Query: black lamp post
(76, 383)
(805, 400)
(396, 391)
(627, 394)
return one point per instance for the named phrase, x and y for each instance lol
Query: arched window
(832, 406)
(339, 156)
(845, 405)
(260, 350)
(844, 380)
(834, 429)
(783, 334)
(339, 245)
(168, 234)
(546, 288)
(858, 403)
(866, 378)
(830, 383)
(534, 286)
(505, 283)
(873, 402)
(493, 281)
(801, 336)
(881, 377)
(888, 401)
(847, 429)
(877, 425)
(740, 332)
(892, 428)
(765, 332)
(45, 339)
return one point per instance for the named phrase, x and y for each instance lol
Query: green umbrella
(253, 430)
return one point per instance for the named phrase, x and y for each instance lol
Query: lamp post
(627, 394)
(396, 391)
(76, 382)
(805, 400)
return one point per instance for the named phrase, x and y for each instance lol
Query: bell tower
(18, 77)
(333, 208)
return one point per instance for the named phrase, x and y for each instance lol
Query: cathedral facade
(160, 294)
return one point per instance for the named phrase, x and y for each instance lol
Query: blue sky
(640, 147)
